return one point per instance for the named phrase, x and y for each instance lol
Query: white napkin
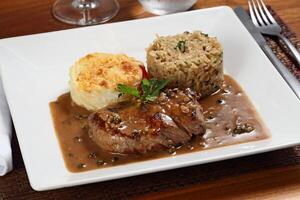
(5, 135)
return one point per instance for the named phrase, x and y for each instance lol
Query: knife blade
(290, 79)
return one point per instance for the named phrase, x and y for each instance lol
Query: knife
(290, 79)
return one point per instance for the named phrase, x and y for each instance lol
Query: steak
(131, 126)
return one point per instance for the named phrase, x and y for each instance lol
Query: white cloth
(5, 135)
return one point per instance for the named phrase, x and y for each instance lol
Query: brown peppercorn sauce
(230, 119)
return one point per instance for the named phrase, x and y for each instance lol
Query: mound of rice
(192, 60)
(94, 78)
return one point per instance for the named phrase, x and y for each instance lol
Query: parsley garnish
(181, 46)
(124, 89)
(150, 89)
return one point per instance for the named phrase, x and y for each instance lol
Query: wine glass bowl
(85, 12)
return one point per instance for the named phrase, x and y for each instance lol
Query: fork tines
(260, 16)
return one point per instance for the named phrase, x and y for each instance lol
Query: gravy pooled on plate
(230, 118)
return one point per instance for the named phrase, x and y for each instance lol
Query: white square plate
(35, 72)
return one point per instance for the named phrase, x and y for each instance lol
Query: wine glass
(85, 12)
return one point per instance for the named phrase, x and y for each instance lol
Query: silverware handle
(292, 48)
(290, 79)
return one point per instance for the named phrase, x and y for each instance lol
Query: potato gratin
(94, 78)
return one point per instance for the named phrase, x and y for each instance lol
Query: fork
(267, 25)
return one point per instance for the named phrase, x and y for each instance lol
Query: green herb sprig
(150, 89)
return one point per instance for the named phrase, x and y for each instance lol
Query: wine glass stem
(86, 15)
(85, 6)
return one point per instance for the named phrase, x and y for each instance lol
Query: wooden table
(22, 17)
